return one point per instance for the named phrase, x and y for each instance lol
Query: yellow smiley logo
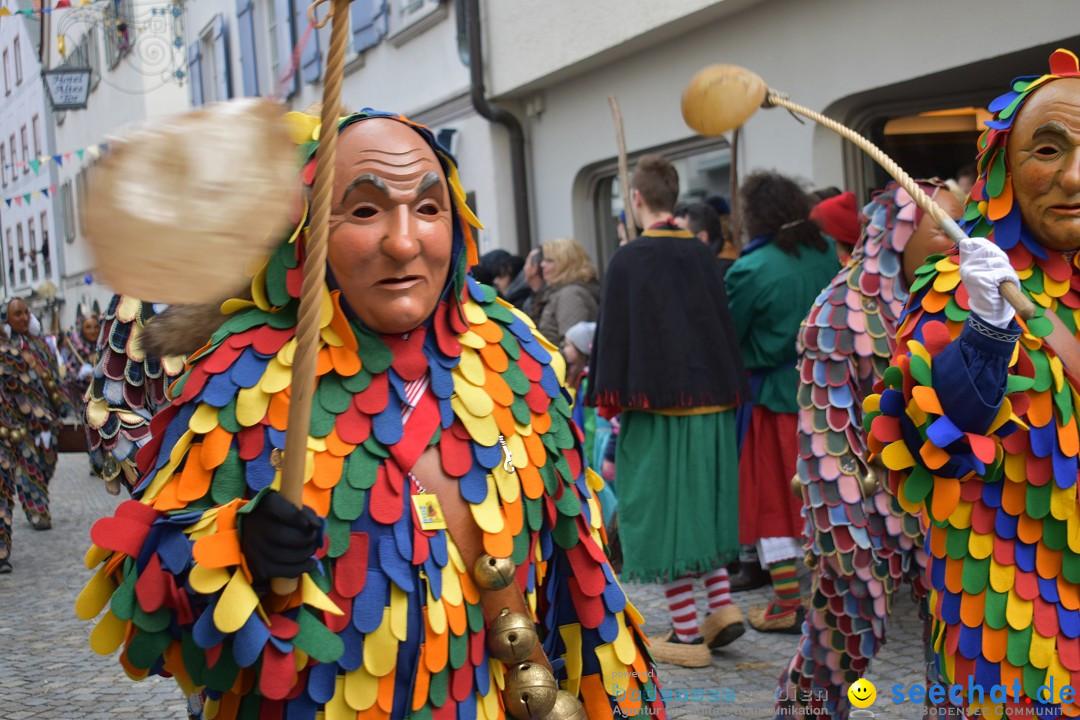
(862, 693)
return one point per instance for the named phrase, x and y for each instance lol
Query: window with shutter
(311, 55)
(368, 23)
(286, 35)
(195, 72)
(245, 26)
(222, 71)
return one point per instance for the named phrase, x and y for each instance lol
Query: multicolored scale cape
(390, 624)
(26, 403)
(865, 546)
(127, 388)
(1004, 535)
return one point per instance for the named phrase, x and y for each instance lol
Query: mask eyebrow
(368, 178)
(1052, 128)
(429, 180)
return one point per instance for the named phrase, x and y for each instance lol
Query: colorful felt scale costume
(390, 624)
(994, 475)
(128, 387)
(31, 406)
(863, 544)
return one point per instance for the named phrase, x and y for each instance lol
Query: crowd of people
(830, 400)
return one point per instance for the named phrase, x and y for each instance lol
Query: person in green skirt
(665, 355)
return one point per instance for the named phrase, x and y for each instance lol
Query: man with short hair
(30, 410)
(665, 356)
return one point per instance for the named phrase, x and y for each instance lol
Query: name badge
(429, 511)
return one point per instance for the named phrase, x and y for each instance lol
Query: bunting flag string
(26, 197)
(42, 161)
(46, 9)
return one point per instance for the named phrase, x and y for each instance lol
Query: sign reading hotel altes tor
(68, 87)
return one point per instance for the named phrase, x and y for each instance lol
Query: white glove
(86, 371)
(983, 267)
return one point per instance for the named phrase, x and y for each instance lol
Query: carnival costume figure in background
(129, 386)
(862, 544)
(79, 350)
(664, 355)
(416, 361)
(31, 405)
(977, 418)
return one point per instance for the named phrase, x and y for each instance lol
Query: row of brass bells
(511, 637)
(530, 692)
(492, 573)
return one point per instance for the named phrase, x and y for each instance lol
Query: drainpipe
(501, 117)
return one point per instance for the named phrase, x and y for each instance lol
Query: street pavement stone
(47, 669)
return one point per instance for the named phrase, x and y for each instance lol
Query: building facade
(28, 258)
(405, 56)
(866, 64)
(133, 49)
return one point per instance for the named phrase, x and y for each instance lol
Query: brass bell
(869, 482)
(530, 691)
(511, 637)
(567, 707)
(4, 433)
(493, 573)
(796, 486)
(55, 397)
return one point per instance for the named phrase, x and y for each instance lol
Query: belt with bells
(530, 690)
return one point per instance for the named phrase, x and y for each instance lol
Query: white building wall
(565, 57)
(415, 69)
(22, 100)
(139, 86)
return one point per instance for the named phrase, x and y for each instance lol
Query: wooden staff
(624, 173)
(305, 360)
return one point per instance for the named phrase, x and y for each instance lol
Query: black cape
(665, 338)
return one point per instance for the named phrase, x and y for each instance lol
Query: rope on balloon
(1023, 305)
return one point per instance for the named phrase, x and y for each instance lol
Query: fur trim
(183, 329)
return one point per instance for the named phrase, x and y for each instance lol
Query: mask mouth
(401, 282)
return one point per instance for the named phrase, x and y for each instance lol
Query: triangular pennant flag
(79, 153)
(4, 11)
(28, 12)
(52, 188)
(8, 201)
(18, 201)
(67, 156)
(34, 165)
(63, 4)
(94, 151)
(45, 192)
(104, 147)
(34, 194)
(58, 160)
(26, 197)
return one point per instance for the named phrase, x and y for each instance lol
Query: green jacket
(770, 293)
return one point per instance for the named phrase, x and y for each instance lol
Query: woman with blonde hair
(572, 292)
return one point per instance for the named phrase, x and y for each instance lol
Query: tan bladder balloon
(720, 98)
(179, 211)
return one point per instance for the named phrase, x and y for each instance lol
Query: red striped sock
(718, 588)
(683, 609)
(785, 582)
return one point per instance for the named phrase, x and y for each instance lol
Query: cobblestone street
(47, 669)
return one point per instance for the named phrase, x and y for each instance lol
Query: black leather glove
(278, 539)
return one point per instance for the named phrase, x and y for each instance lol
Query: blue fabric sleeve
(970, 375)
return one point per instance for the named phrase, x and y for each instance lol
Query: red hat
(838, 217)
